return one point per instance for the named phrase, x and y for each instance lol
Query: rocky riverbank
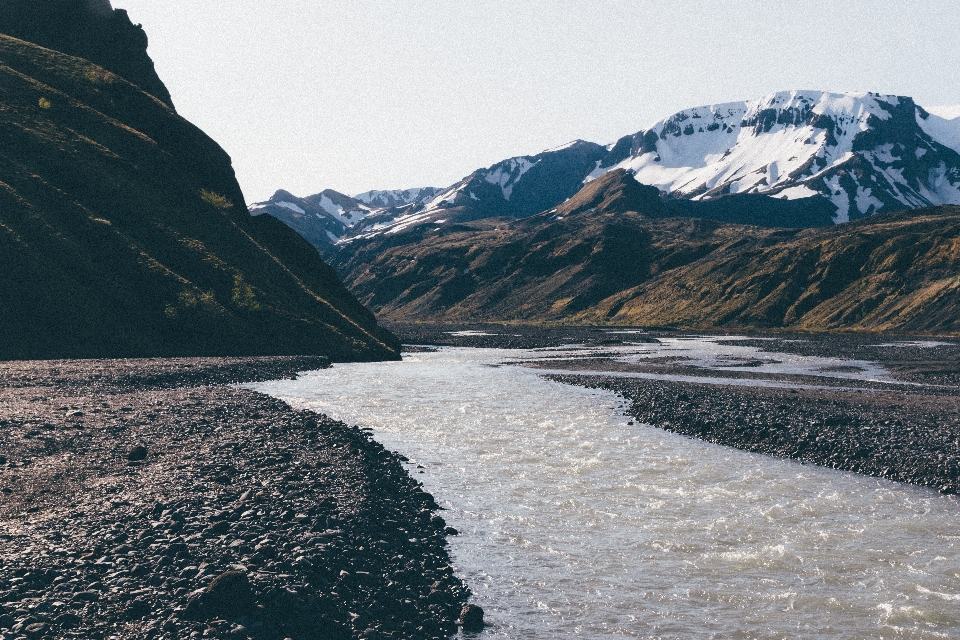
(139, 501)
(908, 436)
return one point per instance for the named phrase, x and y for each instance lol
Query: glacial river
(575, 523)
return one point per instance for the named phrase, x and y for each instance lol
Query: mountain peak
(89, 29)
(865, 152)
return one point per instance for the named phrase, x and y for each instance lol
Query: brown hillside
(608, 255)
(897, 272)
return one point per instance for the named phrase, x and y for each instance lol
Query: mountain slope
(89, 29)
(617, 253)
(123, 232)
(542, 268)
(866, 153)
(898, 271)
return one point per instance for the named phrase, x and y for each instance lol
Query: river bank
(898, 435)
(141, 501)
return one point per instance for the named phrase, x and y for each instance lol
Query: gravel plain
(145, 499)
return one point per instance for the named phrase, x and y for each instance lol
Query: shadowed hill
(123, 232)
(617, 253)
(89, 29)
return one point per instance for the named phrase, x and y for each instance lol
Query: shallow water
(576, 524)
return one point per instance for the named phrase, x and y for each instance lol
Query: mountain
(890, 272)
(834, 156)
(615, 253)
(397, 198)
(518, 187)
(89, 29)
(866, 153)
(124, 233)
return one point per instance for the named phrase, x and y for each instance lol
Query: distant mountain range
(834, 156)
(614, 254)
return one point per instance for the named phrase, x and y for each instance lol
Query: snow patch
(508, 173)
(865, 200)
(291, 206)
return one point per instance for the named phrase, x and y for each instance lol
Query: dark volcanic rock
(139, 452)
(229, 595)
(320, 533)
(471, 618)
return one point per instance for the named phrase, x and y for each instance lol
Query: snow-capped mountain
(517, 187)
(322, 218)
(397, 198)
(865, 152)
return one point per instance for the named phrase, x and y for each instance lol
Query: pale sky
(388, 94)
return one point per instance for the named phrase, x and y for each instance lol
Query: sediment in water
(244, 518)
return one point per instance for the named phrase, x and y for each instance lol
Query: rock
(36, 630)
(471, 618)
(66, 620)
(138, 453)
(137, 609)
(229, 595)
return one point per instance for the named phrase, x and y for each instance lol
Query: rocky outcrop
(89, 29)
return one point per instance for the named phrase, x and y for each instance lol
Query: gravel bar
(143, 499)
(899, 435)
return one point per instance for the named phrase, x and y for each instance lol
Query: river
(576, 523)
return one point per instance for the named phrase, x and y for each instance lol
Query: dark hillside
(123, 232)
(88, 29)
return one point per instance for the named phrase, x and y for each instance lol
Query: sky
(388, 94)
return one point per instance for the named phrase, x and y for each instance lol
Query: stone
(137, 609)
(36, 630)
(229, 595)
(138, 453)
(67, 620)
(471, 618)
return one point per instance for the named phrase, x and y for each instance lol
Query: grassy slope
(597, 260)
(123, 232)
(899, 271)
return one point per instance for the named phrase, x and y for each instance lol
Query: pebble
(310, 538)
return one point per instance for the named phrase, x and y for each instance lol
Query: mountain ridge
(124, 233)
(852, 154)
(88, 29)
(616, 254)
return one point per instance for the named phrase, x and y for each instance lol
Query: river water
(575, 523)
